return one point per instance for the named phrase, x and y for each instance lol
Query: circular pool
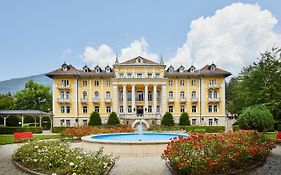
(129, 144)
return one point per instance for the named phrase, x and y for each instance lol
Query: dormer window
(171, 69)
(86, 68)
(64, 67)
(192, 69)
(97, 69)
(107, 69)
(139, 60)
(213, 67)
(181, 69)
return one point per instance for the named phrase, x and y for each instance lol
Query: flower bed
(54, 157)
(217, 154)
(78, 132)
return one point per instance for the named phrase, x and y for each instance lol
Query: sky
(38, 36)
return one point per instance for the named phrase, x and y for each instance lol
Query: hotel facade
(138, 89)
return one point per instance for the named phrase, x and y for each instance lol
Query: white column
(134, 99)
(163, 99)
(115, 99)
(145, 99)
(154, 107)
(76, 97)
(125, 109)
(5, 119)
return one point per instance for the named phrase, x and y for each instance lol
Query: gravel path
(138, 165)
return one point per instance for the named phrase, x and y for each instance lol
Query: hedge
(236, 127)
(11, 130)
(209, 129)
(277, 125)
(59, 129)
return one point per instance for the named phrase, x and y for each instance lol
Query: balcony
(96, 100)
(182, 99)
(213, 86)
(84, 100)
(63, 100)
(194, 99)
(171, 99)
(213, 99)
(61, 86)
(107, 100)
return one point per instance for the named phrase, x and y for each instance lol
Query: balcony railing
(107, 99)
(213, 86)
(63, 100)
(213, 99)
(182, 99)
(194, 99)
(61, 86)
(84, 100)
(96, 99)
(171, 99)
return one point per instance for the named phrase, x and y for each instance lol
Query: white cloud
(232, 38)
(104, 55)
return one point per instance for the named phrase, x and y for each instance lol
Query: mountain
(16, 84)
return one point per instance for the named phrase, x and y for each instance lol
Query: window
(210, 122)
(170, 82)
(210, 94)
(149, 75)
(182, 97)
(158, 96)
(129, 75)
(181, 82)
(62, 109)
(121, 75)
(68, 109)
(171, 95)
(108, 109)
(139, 96)
(85, 95)
(64, 83)
(193, 82)
(213, 82)
(61, 122)
(158, 109)
(129, 109)
(85, 83)
(97, 109)
(129, 96)
(193, 122)
(139, 75)
(67, 95)
(149, 109)
(96, 83)
(157, 75)
(215, 94)
(216, 120)
(85, 109)
(215, 108)
(149, 96)
(97, 96)
(210, 108)
(182, 109)
(107, 95)
(171, 109)
(193, 95)
(193, 109)
(67, 123)
(107, 82)
(61, 95)
(85, 122)
(121, 109)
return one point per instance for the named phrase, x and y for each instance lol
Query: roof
(23, 112)
(134, 61)
(70, 72)
(207, 71)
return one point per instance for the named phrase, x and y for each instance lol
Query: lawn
(7, 139)
(271, 135)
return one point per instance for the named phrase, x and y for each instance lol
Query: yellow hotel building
(138, 89)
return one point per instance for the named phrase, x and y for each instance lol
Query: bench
(22, 135)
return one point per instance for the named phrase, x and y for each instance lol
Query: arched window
(193, 95)
(97, 95)
(182, 82)
(85, 95)
(215, 95)
(107, 95)
(67, 95)
(171, 95)
(182, 95)
(193, 82)
(210, 95)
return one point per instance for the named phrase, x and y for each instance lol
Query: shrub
(113, 119)
(54, 157)
(167, 119)
(95, 119)
(59, 129)
(158, 128)
(258, 118)
(11, 130)
(209, 129)
(236, 127)
(202, 131)
(216, 154)
(184, 119)
(277, 125)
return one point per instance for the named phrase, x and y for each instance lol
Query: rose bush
(54, 157)
(216, 154)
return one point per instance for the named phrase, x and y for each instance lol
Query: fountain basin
(129, 144)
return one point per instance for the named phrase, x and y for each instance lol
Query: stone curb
(21, 167)
(229, 173)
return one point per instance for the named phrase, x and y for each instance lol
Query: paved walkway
(138, 165)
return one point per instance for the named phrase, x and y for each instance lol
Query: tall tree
(6, 101)
(34, 96)
(259, 83)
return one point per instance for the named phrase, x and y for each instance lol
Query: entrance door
(139, 111)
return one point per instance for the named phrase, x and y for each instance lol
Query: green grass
(7, 139)
(271, 135)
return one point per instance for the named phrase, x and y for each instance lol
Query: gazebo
(24, 113)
